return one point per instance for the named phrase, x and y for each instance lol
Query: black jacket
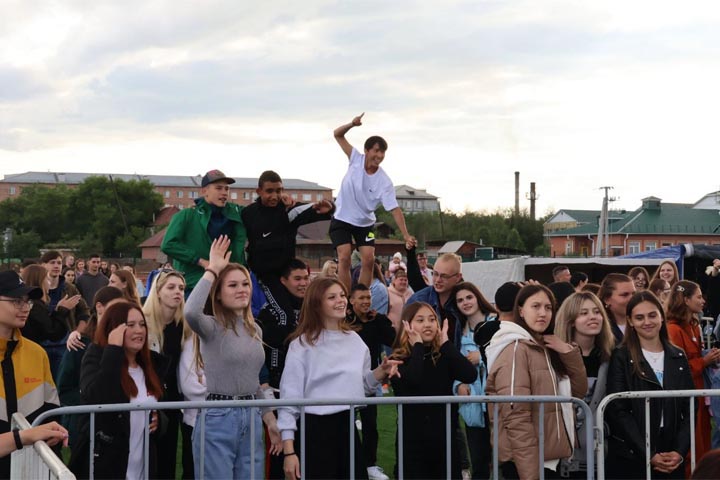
(375, 333)
(278, 320)
(42, 325)
(271, 233)
(626, 417)
(424, 424)
(100, 384)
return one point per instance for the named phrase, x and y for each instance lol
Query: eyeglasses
(19, 303)
(444, 276)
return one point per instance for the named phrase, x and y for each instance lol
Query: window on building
(246, 195)
(12, 191)
(568, 248)
(294, 196)
(180, 194)
(649, 246)
(193, 195)
(233, 195)
(254, 195)
(167, 193)
(307, 197)
(666, 244)
(633, 247)
(319, 197)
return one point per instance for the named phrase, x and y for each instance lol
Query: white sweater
(337, 366)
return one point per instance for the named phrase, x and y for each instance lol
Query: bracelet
(289, 454)
(213, 272)
(18, 440)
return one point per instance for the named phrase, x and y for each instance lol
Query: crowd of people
(237, 316)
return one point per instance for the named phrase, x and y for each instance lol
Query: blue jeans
(227, 444)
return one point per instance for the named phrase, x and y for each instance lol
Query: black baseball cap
(505, 296)
(215, 176)
(11, 285)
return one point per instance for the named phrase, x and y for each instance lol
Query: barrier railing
(37, 461)
(691, 395)
(353, 404)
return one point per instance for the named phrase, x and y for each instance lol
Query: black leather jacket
(626, 417)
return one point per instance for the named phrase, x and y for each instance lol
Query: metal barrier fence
(353, 403)
(691, 395)
(38, 461)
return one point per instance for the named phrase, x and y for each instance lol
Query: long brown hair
(35, 276)
(568, 313)
(676, 308)
(631, 340)
(526, 292)
(130, 291)
(676, 274)
(310, 323)
(223, 315)
(116, 315)
(402, 347)
(635, 271)
(485, 306)
(607, 287)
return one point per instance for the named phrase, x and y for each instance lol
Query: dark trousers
(327, 453)
(187, 455)
(478, 439)
(167, 445)
(368, 417)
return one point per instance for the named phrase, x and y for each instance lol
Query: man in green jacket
(192, 230)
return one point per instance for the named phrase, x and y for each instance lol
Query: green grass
(387, 428)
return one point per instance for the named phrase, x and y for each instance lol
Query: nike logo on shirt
(266, 234)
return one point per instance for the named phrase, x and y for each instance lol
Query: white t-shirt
(360, 193)
(136, 466)
(656, 360)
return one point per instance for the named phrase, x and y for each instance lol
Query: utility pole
(602, 248)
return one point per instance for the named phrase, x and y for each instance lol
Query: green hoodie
(186, 239)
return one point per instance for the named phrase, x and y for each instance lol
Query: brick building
(178, 191)
(655, 224)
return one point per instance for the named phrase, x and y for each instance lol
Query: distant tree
(23, 245)
(95, 216)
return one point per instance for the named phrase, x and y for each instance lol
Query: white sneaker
(376, 473)
(358, 424)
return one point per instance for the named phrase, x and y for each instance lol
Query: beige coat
(533, 375)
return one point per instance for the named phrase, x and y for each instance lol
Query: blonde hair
(130, 291)
(451, 258)
(568, 313)
(153, 309)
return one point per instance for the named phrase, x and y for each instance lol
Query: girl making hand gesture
(430, 366)
(218, 310)
(326, 359)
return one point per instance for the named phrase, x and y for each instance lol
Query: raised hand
(219, 254)
(388, 369)
(323, 206)
(357, 121)
(69, 302)
(413, 336)
(117, 336)
(444, 332)
(554, 343)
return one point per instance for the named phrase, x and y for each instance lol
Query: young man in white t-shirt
(364, 187)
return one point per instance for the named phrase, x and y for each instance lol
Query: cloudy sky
(574, 95)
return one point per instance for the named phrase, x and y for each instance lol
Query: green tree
(110, 209)
(23, 245)
(41, 209)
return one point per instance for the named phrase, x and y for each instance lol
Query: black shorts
(342, 233)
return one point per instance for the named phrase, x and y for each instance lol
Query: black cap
(505, 296)
(11, 285)
(215, 176)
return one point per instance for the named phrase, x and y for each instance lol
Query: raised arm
(340, 132)
(399, 218)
